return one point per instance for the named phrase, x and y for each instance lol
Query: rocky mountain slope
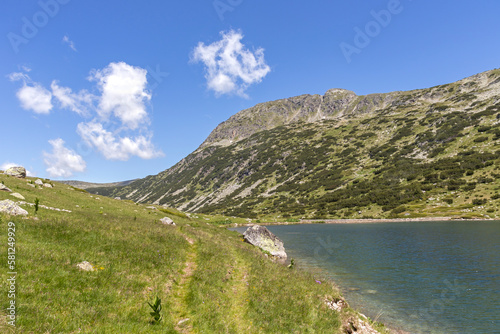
(428, 152)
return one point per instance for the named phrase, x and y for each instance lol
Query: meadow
(208, 279)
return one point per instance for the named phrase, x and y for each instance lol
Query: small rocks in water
(18, 195)
(10, 207)
(371, 292)
(167, 221)
(47, 185)
(19, 172)
(261, 237)
(4, 188)
(39, 182)
(85, 266)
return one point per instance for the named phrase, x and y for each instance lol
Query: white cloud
(70, 43)
(35, 98)
(7, 165)
(114, 147)
(79, 102)
(230, 67)
(16, 76)
(121, 105)
(32, 95)
(63, 162)
(124, 93)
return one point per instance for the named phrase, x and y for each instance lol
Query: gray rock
(151, 207)
(18, 195)
(11, 208)
(261, 237)
(85, 266)
(118, 198)
(39, 182)
(19, 172)
(4, 188)
(337, 304)
(47, 185)
(167, 221)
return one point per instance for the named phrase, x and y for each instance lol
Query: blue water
(421, 277)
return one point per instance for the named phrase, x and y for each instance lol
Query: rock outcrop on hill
(19, 172)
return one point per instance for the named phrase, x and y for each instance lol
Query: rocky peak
(338, 104)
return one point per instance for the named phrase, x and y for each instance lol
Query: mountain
(427, 152)
(86, 185)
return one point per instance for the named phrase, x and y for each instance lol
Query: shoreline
(364, 221)
(390, 327)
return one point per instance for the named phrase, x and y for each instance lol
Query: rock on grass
(261, 237)
(11, 208)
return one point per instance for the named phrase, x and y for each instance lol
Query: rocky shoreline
(364, 221)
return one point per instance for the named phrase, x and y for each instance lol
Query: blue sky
(105, 91)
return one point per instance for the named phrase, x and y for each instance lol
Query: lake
(422, 277)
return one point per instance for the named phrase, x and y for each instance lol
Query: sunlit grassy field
(208, 279)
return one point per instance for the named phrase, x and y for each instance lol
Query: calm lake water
(422, 277)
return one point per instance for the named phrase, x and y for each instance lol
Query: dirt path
(179, 295)
(240, 296)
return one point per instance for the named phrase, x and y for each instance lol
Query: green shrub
(478, 201)
(481, 139)
(173, 212)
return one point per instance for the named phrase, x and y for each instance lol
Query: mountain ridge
(314, 153)
(86, 185)
(342, 102)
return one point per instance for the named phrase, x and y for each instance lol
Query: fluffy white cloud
(80, 102)
(70, 43)
(32, 95)
(121, 104)
(114, 147)
(230, 67)
(7, 165)
(63, 162)
(35, 98)
(124, 93)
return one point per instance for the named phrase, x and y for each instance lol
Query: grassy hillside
(432, 152)
(201, 272)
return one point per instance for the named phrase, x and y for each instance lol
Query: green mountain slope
(429, 152)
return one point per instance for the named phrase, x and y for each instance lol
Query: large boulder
(261, 237)
(19, 172)
(11, 208)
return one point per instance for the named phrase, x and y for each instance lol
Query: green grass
(200, 271)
